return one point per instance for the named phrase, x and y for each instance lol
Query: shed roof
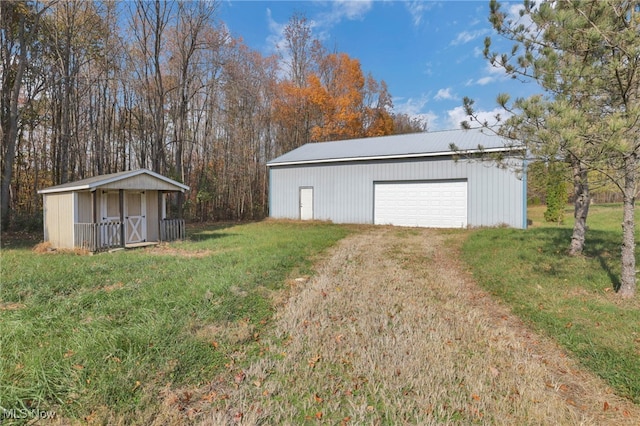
(111, 181)
(429, 144)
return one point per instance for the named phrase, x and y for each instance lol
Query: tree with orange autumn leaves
(332, 103)
(326, 95)
(338, 94)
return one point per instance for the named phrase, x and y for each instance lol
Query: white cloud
(353, 9)
(345, 9)
(320, 24)
(276, 30)
(414, 108)
(513, 15)
(430, 118)
(276, 43)
(444, 94)
(448, 120)
(485, 80)
(467, 36)
(411, 106)
(457, 115)
(417, 9)
(428, 70)
(491, 75)
(497, 72)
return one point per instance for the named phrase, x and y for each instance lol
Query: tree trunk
(181, 135)
(582, 200)
(10, 127)
(65, 136)
(158, 160)
(628, 271)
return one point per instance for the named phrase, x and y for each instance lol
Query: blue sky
(428, 52)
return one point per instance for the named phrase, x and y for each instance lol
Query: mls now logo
(25, 413)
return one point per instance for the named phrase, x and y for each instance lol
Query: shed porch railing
(107, 235)
(172, 230)
(97, 236)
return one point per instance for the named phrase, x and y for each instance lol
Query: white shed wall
(59, 214)
(343, 192)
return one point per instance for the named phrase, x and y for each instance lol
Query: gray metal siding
(343, 192)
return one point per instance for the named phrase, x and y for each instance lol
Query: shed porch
(123, 209)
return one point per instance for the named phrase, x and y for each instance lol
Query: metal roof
(429, 144)
(98, 181)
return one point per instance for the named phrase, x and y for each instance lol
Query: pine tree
(584, 55)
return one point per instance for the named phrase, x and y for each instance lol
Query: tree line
(91, 88)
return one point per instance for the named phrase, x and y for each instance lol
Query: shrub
(556, 193)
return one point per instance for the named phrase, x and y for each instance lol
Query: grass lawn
(570, 299)
(108, 337)
(100, 335)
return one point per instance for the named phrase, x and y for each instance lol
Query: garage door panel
(441, 204)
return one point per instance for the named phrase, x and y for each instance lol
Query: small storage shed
(438, 179)
(123, 209)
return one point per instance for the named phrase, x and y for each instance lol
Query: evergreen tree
(584, 55)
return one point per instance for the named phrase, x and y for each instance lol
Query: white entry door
(306, 203)
(439, 204)
(135, 217)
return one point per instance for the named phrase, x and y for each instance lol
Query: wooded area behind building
(91, 88)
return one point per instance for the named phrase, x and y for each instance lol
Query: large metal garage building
(437, 179)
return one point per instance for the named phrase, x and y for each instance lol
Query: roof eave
(98, 184)
(67, 189)
(182, 186)
(394, 156)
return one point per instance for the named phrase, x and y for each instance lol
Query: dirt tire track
(393, 330)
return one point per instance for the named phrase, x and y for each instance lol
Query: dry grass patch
(233, 333)
(111, 287)
(47, 248)
(393, 331)
(44, 247)
(171, 250)
(11, 306)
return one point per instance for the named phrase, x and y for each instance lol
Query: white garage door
(426, 204)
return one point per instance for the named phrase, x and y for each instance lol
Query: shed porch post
(160, 214)
(94, 206)
(121, 202)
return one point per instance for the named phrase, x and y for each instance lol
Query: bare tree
(148, 23)
(18, 37)
(193, 19)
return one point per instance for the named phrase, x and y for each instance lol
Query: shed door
(439, 204)
(306, 203)
(135, 217)
(110, 213)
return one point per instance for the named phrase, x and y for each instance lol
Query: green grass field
(101, 337)
(570, 299)
(81, 333)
